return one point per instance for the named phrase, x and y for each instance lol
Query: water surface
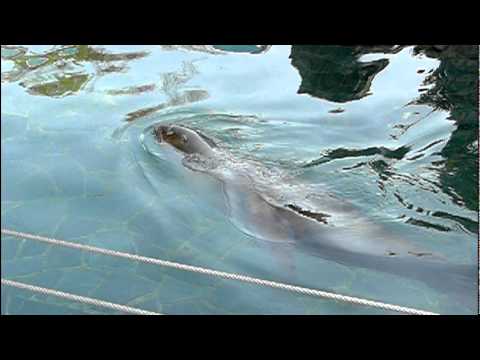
(393, 130)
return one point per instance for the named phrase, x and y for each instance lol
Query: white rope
(78, 298)
(225, 275)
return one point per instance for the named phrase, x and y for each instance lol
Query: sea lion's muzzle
(161, 132)
(184, 139)
(172, 136)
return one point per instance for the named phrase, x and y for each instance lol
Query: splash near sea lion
(331, 228)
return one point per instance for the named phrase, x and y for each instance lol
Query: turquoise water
(79, 163)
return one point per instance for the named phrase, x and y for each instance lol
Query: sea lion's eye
(170, 133)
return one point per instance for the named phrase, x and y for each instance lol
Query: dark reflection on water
(455, 89)
(345, 153)
(335, 73)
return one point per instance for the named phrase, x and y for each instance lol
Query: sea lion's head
(172, 135)
(184, 139)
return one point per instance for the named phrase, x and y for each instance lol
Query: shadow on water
(335, 73)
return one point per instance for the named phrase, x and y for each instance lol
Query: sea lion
(341, 234)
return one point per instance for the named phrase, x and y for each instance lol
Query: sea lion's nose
(158, 132)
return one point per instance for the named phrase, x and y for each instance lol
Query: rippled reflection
(62, 71)
(335, 73)
(171, 84)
